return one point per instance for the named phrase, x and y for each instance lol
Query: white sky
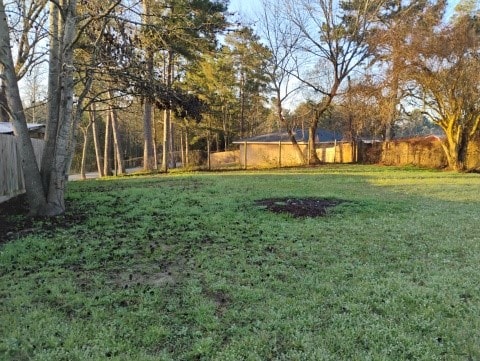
(244, 5)
(245, 8)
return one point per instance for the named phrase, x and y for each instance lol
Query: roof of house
(6, 127)
(301, 136)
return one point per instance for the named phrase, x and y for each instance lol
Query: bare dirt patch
(300, 207)
(15, 221)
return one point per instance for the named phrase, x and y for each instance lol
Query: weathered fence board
(11, 175)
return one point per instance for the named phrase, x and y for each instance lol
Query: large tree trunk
(54, 92)
(58, 179)
(33, 181)
(46, 196)
(455, 147)
(4, 113)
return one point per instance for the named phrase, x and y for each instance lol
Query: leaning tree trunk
(455, 147)
(291, 135)
(312, 129)
(33, 181)
(85, 131)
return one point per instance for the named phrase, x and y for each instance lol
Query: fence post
(280, 153)
(335, 151)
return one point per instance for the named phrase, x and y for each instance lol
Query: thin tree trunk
(107, 163)
(117, 145)
(225, 130)
(208, 151)
(155, 140)
(96, 141)
(148, 156)
(182, 149)
(85, 132)
(165, 145)
(242, 107)
(187, 151)
(171, 151)
(167, 116)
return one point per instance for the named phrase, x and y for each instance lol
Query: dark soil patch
(15, 221)
(300, 207)
(13, 218)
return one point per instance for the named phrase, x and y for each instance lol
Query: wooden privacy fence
(11, 176)
(283, 154)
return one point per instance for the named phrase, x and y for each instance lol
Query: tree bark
(166, 141)
(54, 92)
(312, 148)
(59, 172)
(4, 112)
(455, 147)
(148, 156)
(167, 116)
(33, 181)
(117, 145)
(96, 141)
(187, 148)
(107, 162)
(85, 131)
(283, 121)
(171, 143)
(148, 146)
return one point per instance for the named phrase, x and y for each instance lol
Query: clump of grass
(186, 267)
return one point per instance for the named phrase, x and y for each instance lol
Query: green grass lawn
(187, 267)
